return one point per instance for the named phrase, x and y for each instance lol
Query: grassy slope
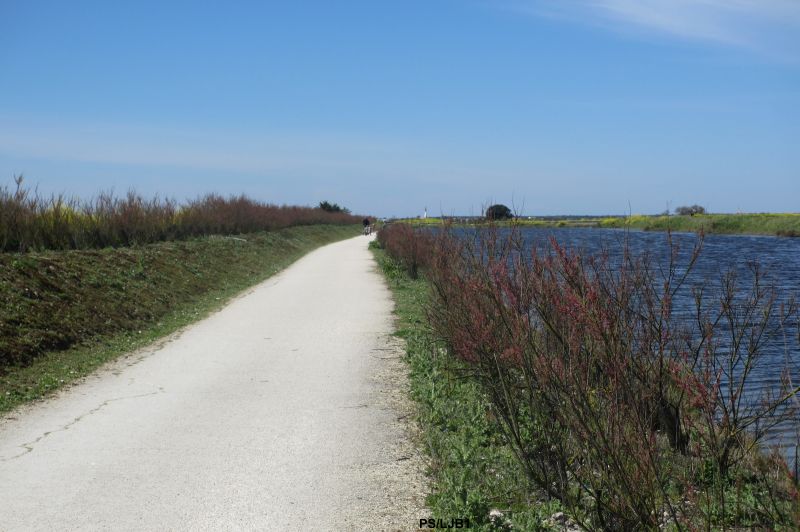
(64, 313)
(756, 224)
(473, 470)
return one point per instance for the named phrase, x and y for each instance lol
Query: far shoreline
(761, 224)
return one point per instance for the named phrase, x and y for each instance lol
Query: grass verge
(65, 313)
(473, 470)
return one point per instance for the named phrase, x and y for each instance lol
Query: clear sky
(559, 106)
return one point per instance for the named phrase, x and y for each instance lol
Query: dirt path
(284, 410)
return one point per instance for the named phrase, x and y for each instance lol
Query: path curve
(281, 411)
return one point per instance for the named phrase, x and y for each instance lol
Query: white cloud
(770, 27)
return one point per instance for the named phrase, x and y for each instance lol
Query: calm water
(779, 258)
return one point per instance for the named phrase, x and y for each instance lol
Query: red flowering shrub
(29, 221)
(412, 247)
(610, 402)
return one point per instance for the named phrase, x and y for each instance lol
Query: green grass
(522, 222)
(779, 224)
(65, 313)
(472, 469)
(755, 224)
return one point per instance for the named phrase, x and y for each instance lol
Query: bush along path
(32, 222)
(549, 379)
(64, 313)
(474, 474)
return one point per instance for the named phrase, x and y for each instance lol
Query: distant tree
(690, 210)
(499, 212)
(332, 207)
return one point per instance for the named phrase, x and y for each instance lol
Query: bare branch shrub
(613, 402)
(29, 221)
(410, 246)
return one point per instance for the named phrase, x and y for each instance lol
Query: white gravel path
(283, 411)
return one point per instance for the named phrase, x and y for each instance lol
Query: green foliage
(779, 224)
(756, 224)
(690, 210)
(499, 212)
(332, 207)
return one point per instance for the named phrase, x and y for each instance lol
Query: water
(778, 257)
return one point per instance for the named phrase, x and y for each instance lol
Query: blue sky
(559, 107)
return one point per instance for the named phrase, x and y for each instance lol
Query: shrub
(332, 207)
(412, 247)
(690, 210)
(29, 221)
(612, 402)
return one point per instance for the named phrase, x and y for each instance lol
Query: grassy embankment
(472, 469)
(780, 224)
(65, 313)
